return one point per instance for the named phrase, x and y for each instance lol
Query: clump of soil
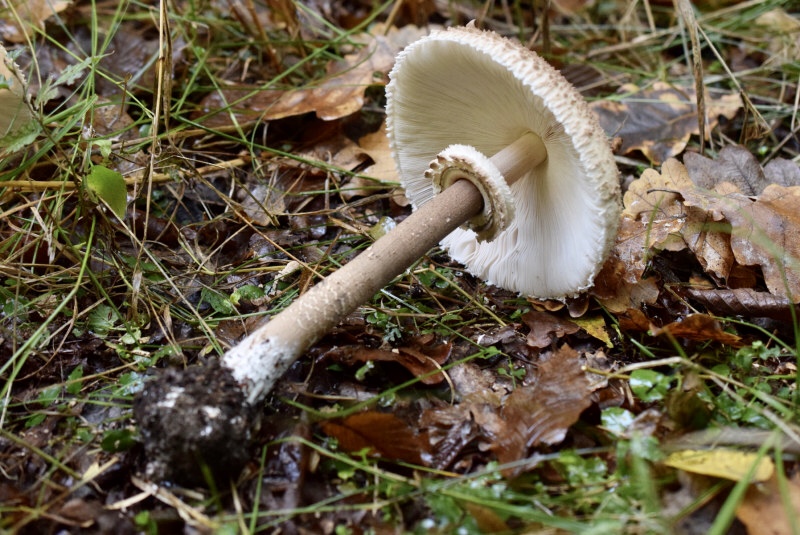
(195, 418)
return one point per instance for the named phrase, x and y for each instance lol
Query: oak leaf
(659, 120)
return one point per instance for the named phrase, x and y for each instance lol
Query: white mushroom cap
(466, 86)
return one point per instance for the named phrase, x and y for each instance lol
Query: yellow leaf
(595, 326)
(722, 463)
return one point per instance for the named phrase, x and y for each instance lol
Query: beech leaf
(542, 412)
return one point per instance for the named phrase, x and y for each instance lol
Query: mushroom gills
(491, 176)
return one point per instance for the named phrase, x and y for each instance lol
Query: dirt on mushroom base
(196, 425)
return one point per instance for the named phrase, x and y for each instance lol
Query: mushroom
(486, 135)
(469, 87)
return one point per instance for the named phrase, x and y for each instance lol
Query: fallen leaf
(659, 120)
(734, 164)
(782, 36)
(656, 192)
(765, 511)
(17, 19)
(383, 434)
(546, 328)
(449, 429)
(422, 356)
(710, 241)
(542, 412)
(742, 302)
(722, 463)
(699, 327)
(340, 94)
(782, 172)
(766, 233)
(595, 326)
(376, 145)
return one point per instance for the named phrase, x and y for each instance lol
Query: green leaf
(648, 385)
(617, 420)
(117, 440)
(220, 303)
(73, 381)
(102, 319)
(108, 186)
(247, 292)
(71, 73)
(49, 395)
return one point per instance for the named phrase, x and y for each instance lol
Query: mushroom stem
(263, 356)
(524, 154)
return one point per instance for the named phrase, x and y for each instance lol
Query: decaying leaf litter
(235, 204)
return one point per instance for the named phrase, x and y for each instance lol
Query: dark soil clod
(194, 418)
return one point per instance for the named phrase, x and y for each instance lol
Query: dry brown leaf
(742, 302)
(546, 328)
(542, 412)
(710, 241)
(376, 145)
(782, 35)
(782, 172)
(659, 120)
(656, 192)
(383, 434)
(340, 94)
(766, 233)
(657, 218)
(764, 511)
(619, 285)
(734, 164)
(31, 14)
(700, 328)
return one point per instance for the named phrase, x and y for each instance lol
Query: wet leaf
(700, 328)
(649, 385)
(617, 420)
(118, 440)
(542, 412)
(422, 356)
(722, 463)
(383, 434)
(595, 326)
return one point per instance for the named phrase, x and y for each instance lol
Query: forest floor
(174, 174)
